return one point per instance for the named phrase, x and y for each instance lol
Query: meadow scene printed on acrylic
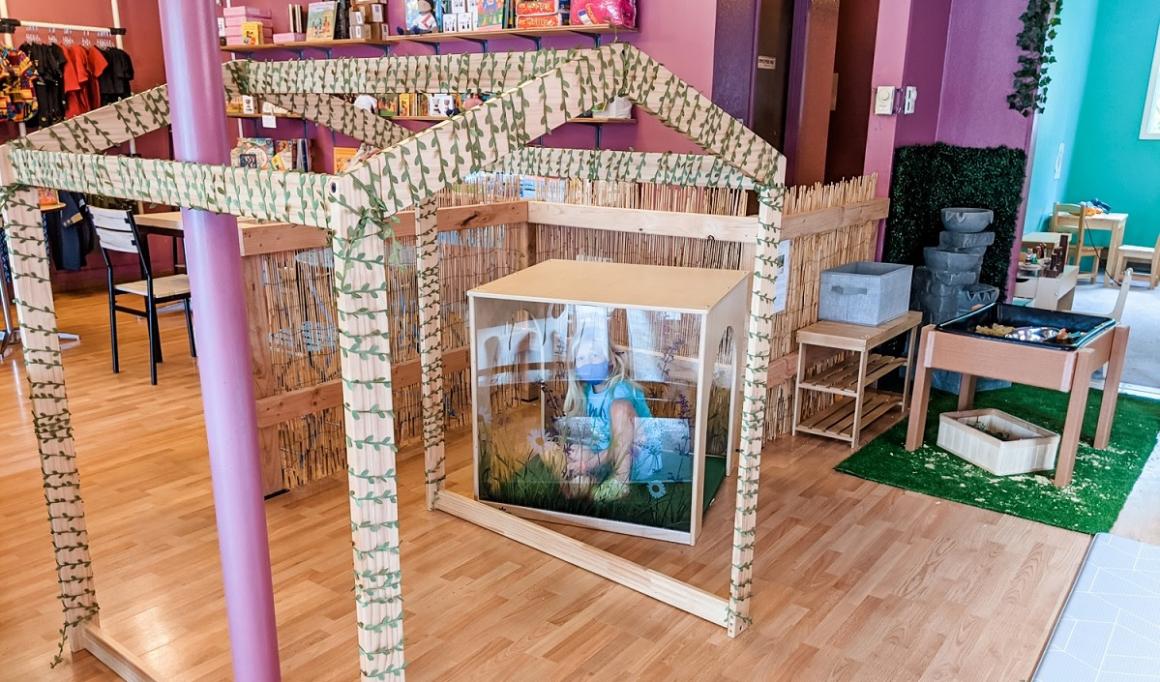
(590, 411)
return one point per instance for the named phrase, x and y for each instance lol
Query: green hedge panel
(928, 178)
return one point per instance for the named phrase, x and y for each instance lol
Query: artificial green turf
(1103, 478)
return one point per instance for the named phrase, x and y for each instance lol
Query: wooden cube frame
(725, 313)
(540, 91)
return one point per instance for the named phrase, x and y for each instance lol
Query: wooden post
(967, 384)
(430, 345)
(50, 414)
(1111, 387)
(760, 334)
(911, 353)
(360, 281)
(1076, 406)
(856, 432)
(919, 402)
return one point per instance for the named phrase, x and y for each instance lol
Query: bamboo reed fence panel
(297, 312)
(298, 305)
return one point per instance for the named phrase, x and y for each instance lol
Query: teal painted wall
(1110, 160)
(1060, 122)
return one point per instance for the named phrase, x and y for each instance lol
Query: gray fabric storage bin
(865, 292)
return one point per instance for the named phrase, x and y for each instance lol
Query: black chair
(117, 231)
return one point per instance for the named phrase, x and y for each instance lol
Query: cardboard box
(536, 7)
(377, 12)
(538, 21)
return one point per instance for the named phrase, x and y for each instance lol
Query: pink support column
(889, 64)
(197, 104)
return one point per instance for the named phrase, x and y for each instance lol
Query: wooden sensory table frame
(541, 91)
(1058, 369)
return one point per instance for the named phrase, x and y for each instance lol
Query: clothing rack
(8, 26)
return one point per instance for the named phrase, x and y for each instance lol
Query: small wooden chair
(117, 231)
(1139, 254)
(1077, 245)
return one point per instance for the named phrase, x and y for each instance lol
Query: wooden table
(857, 405)
(1113, 223)
(1050, 293)
(168, 224)
(164, 224)
(1042, 366)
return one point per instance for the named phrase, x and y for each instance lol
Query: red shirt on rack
(76, 76)
(82, 90)
(97, 66)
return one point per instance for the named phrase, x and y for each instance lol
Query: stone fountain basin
(967, 219)
(951, 281)
(950, 261)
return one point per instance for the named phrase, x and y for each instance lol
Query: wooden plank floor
(854, 580)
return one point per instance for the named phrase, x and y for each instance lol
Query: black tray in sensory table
(1088, 327)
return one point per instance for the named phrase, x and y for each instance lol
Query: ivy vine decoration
(1040, 26)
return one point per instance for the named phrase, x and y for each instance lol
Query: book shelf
(595, 33)
(587, 120)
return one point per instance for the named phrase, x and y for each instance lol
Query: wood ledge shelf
(842, 379)
(837, 421)
(583, 120)
(594, 32)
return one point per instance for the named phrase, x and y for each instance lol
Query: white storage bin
(1033, 448)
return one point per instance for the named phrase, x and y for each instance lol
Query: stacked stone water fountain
(948, 286)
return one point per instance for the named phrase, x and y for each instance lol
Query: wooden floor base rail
(107, 650)
(648, 582)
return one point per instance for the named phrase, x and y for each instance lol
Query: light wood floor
(854, 580)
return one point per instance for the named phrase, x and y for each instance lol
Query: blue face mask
(592, 373)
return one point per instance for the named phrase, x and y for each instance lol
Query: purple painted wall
(981, 57)
(681, 40)
(925, 55)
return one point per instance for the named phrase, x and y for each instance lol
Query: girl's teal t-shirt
(600, 408)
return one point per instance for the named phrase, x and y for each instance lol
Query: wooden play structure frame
(539, 91)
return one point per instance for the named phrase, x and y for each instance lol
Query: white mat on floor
(1109, 630)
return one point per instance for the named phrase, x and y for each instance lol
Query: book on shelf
(320, 20)
(343, 157)
(264, 153)
(489, 14)
(424, 16)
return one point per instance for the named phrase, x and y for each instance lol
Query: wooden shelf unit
(856, 405)
(595, 33)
